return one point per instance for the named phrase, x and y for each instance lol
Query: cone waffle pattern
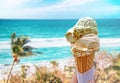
(84, 63)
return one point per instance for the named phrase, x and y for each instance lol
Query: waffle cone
(84, 63)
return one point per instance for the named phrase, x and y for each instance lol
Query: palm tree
(19, 49)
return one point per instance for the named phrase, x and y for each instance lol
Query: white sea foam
(59, 42)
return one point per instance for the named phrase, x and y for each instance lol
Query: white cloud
(63, 9)
(12, 4)
(12, 8)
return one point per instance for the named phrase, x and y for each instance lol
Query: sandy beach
(4, 69)
(65, 69)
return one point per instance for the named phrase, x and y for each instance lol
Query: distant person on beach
(84, 43)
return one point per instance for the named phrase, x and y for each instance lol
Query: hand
(74, 79)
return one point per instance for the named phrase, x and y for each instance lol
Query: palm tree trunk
(10, 71)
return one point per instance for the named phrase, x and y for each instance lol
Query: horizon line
(50, 18)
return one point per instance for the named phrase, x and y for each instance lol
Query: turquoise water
(48, 36)
(54, 28)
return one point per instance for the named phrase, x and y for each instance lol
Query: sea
(48, 36)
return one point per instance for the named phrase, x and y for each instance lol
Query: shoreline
(17, 67)
(114, 53)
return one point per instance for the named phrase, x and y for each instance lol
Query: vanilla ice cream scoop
(83, 26)
(86, 45)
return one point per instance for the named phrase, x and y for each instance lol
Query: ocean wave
(60, 42)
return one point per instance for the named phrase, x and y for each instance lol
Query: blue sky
(59, 9)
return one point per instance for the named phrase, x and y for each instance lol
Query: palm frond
(19, 47)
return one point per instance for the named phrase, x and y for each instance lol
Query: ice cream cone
(84, 63)
(84, 41)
